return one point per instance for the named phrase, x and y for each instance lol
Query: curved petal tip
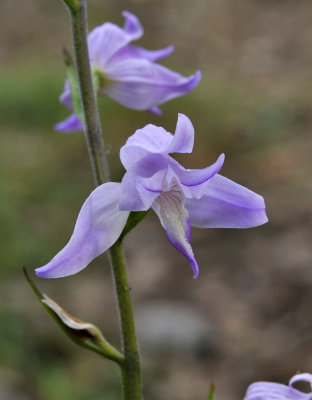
(98, 226)
(155, 110)
(132, 25)
(194, 266)
(194, 80)
(70, 124)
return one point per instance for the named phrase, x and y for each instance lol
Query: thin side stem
(131, 376)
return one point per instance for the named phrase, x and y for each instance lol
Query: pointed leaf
(211, 392)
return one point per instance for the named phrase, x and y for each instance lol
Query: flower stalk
(92, 125)
(131, 365)
(131, 370)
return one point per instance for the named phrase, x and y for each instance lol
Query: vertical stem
(92, 125)
(131, 376)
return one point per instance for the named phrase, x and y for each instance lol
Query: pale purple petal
(131, 51)
(304, 377)
(277, 391)
(149, 165)
(132, 25)
(156, 182)
(138, 194)
(130, 198)
(105, 40)
(183, 139)
(226, 204)
(194, 181)
(155, 110)
(141, 85)
(169, 206)
(70, 124)
(274, 391)
(151, 140)
(66, 97)
(98, 226)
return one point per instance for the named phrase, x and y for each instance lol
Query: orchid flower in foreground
(128, 73)
(277, 391)
(180, 197)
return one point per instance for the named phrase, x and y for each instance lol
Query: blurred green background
(248, 315)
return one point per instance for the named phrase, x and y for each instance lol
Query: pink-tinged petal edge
(98, 226)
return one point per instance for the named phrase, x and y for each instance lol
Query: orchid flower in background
(277, 391)
(128, 73)
(180, 197)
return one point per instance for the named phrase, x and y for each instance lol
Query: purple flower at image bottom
(277, 391)
(129, 74)
(180, 197)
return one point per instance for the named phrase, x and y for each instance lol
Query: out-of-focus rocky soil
(248, 315)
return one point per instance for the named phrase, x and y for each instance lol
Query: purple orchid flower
(277, 391)
(128, 73)
(180, 197)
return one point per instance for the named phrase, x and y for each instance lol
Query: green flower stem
(73, 5)
(92, 125)
(131, 365)
(131, 375)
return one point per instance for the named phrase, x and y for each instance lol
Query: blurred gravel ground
(247, 316)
